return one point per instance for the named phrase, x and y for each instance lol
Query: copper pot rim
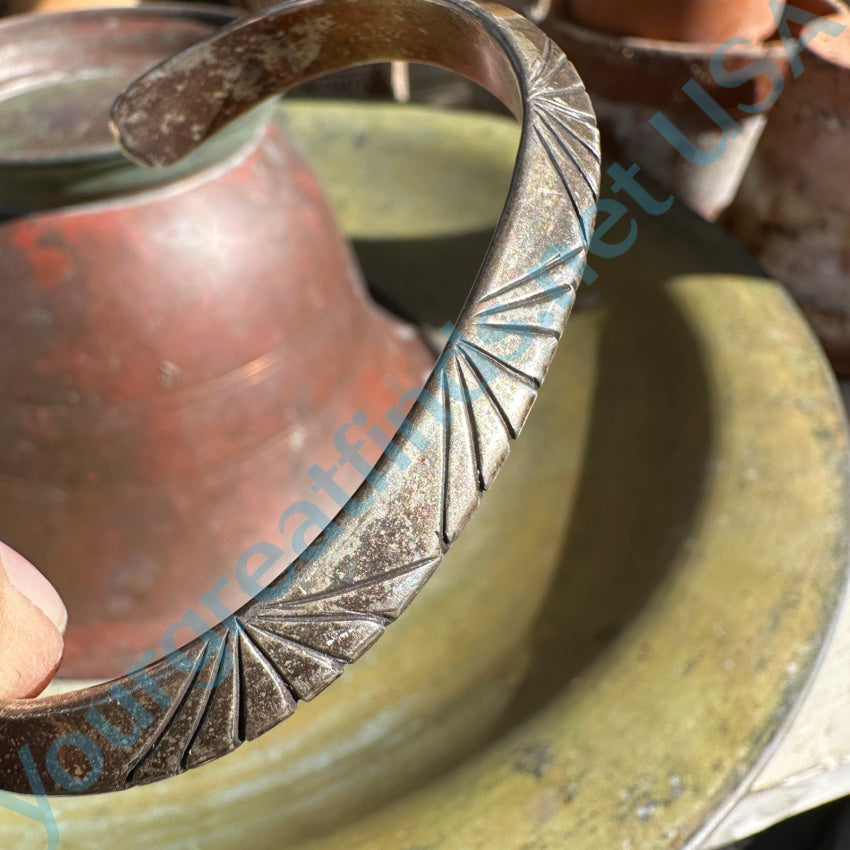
(54, 32)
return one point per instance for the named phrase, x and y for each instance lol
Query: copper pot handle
(244, 676)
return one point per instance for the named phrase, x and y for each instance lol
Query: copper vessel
(177, 348)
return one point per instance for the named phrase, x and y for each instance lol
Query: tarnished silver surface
(247, 674)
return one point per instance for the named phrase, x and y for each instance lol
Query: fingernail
(32, 584)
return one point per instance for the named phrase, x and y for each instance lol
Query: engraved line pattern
(249, 672)
(287, 650)
(561, 143)
(528, 380)
(473, 446)
(494, 401)
(538, 296)
(551, 114)
(553, 158)
(299, 646)
(185, 692)
(548, 266)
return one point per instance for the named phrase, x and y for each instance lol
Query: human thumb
(32, 621)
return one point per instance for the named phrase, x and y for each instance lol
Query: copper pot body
(172, 361)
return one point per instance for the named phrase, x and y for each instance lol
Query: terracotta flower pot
(176, 348)
(631, 79)
(705, 21)
(793, 207)
(635, 67)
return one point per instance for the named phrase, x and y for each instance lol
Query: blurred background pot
(793, 206)
(632, 78)
(705, 21)
(176, 347)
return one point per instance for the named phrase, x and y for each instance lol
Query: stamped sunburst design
(251, 676)
(247, 674)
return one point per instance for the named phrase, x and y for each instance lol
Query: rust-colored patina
(172, 359)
